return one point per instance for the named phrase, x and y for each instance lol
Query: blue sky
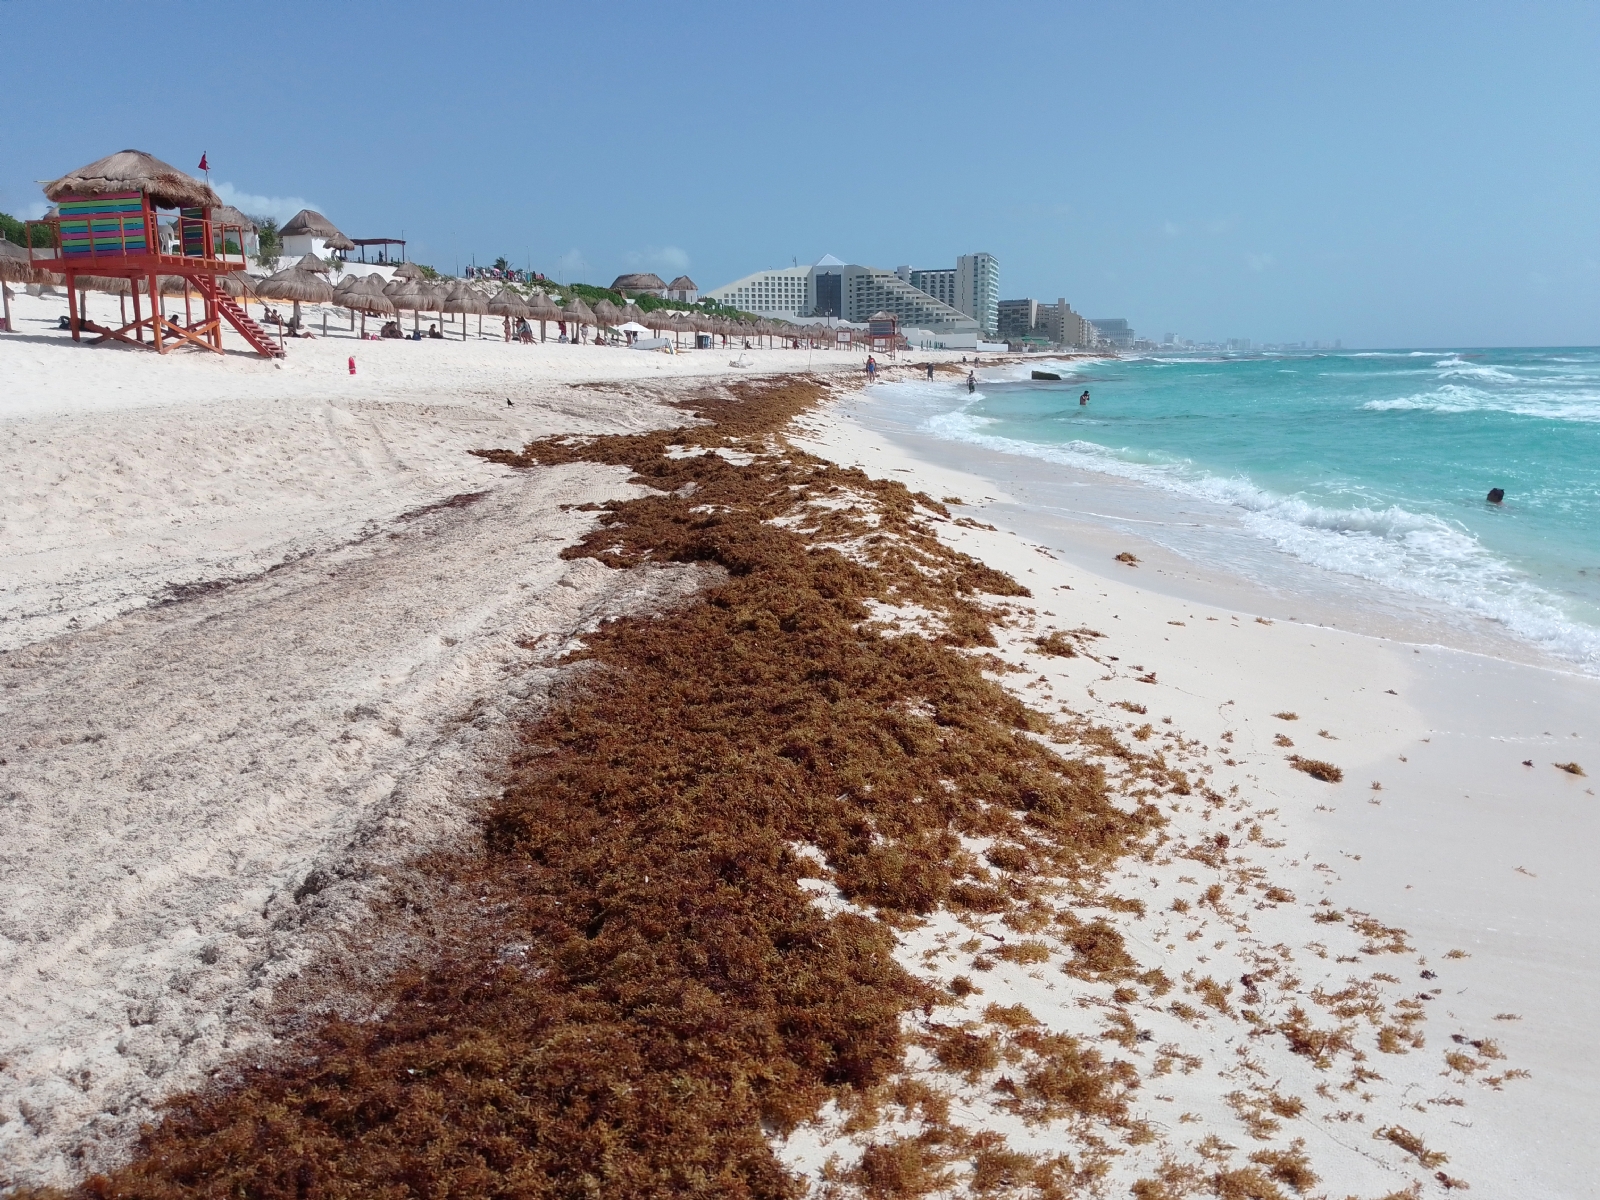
(1386, 174)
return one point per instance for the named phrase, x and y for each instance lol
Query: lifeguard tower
(883, 333)
(105, 227)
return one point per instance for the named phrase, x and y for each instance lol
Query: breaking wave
(1414, 553)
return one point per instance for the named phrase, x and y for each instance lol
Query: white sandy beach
(264, 629)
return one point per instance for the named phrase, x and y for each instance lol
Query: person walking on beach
(1083, 400)
(872, 369)
(930, 372)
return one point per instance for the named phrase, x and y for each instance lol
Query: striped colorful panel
(101, 225)
(111, 202)
(192, 222)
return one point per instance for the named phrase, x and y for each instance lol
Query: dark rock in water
(1046, 375)
(1496, 495)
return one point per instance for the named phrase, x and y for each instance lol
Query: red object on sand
(352, 364)
(203, 166)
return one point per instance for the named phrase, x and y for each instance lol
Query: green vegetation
(270, 244)
(16, 231)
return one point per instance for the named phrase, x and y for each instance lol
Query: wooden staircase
(260, 340)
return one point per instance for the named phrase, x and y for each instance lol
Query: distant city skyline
(1381, 174)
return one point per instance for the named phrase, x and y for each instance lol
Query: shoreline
(1195, 548)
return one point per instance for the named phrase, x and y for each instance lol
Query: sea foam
(1416, 553)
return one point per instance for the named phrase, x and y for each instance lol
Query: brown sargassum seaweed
(628, 990)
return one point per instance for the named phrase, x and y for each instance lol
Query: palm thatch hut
(135, 171)
(542, 309)
(580, 314)
(507, 304)
(465, 299)
(309, 232)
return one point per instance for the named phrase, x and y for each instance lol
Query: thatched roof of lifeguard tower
(309, 222)
(135, 171)
(683, 284)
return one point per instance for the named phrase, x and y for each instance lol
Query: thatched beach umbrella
(438, 291)
(606, 314)
(507, 304)
(312, 263)
(408, 270)
(465, 299)
(542, 309)
(580, 314)
(14, 268)
(411, 295)
(365, 296)
(295, 285)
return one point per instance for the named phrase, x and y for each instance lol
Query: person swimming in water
(1083, 400)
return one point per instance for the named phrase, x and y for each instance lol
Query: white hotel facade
(849, 292)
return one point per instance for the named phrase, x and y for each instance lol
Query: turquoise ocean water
(1372, 466)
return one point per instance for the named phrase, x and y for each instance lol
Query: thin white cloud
(1170, 229)
(1258, 262)
(663, 258)
(281, 208)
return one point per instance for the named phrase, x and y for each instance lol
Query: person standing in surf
(1083, 400)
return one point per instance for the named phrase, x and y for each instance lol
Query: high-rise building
(978, 289)
(1025, 320)
(1015, 319)
(971, 286)
(939, 282)
(1115, 330)
(832, 288)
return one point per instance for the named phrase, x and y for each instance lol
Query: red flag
(203, 165)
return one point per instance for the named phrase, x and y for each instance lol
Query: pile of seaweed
(629, 990)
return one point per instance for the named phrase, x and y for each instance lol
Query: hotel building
(971, 286)
(844, 291)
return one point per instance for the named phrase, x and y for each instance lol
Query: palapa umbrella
(438, 291)
(410, 294)
(606, 314)
(580, 314)
(292, 283)
(365, 296)
(507, 304)
(314, 264)
(14, 268)
(541, 309)
(408, 270)
(465, 299)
